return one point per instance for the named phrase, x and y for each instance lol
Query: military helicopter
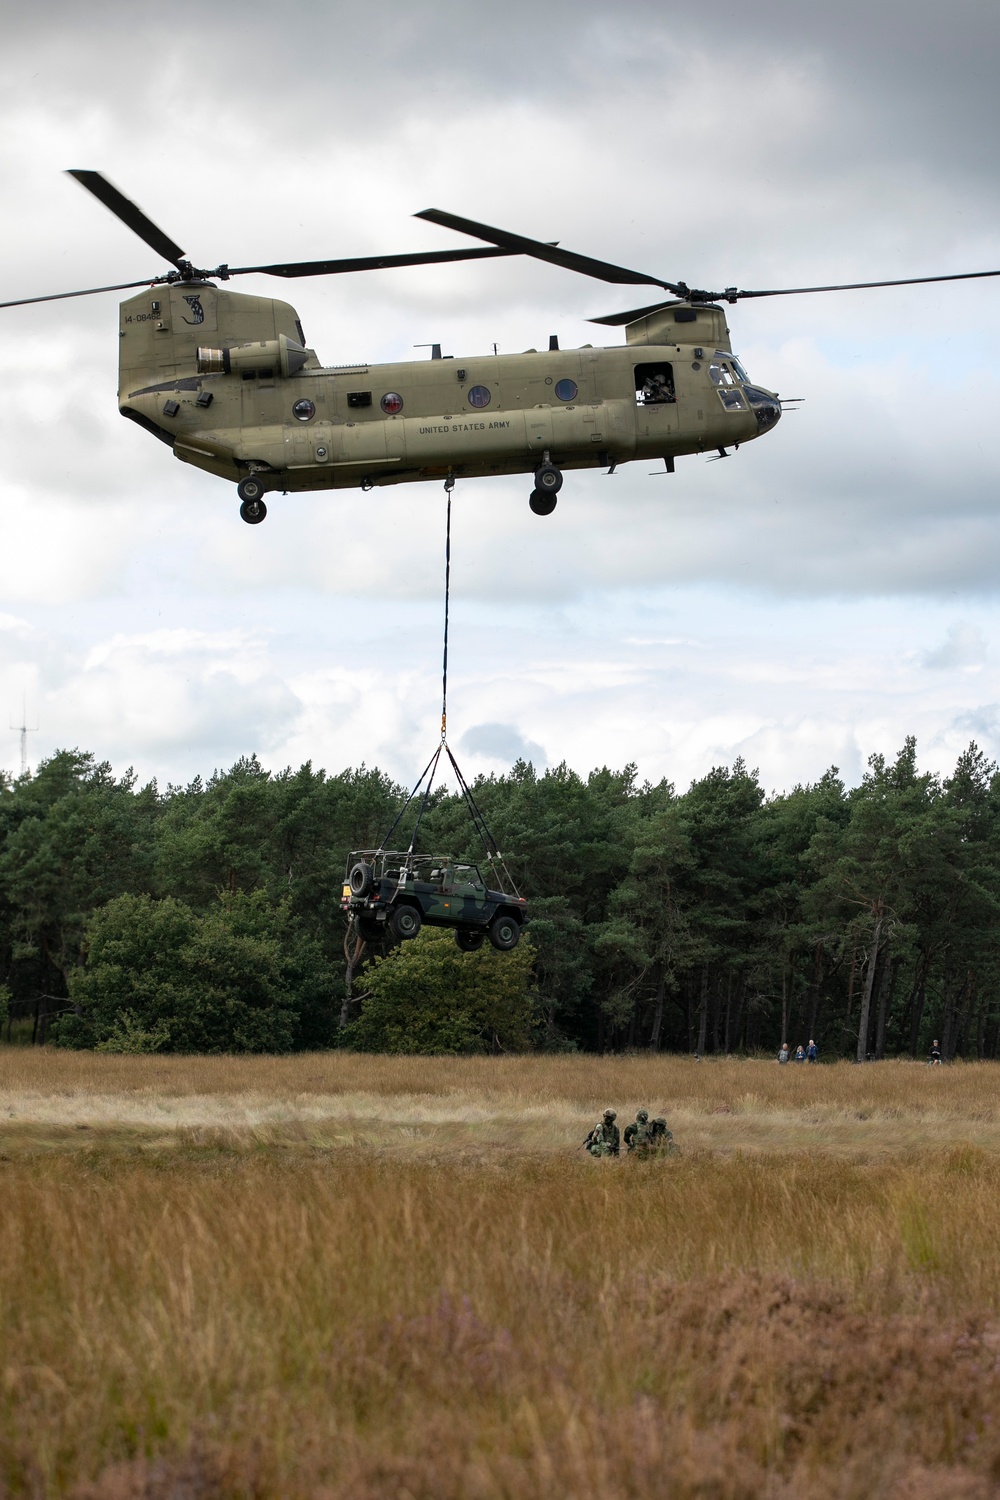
(228, 382)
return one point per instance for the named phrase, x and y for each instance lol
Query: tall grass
(585, 1082)
(274, 1318)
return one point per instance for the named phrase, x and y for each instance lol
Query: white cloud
(822, 593)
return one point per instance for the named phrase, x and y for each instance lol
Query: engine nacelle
(267, 355)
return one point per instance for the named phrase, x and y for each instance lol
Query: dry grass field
(331, 1276)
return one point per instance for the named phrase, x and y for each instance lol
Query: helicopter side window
(732, 398)
(721, 374)
(654, 384)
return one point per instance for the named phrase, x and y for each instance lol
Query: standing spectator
(812, 1052)
(935, 1054)
(800, 1053)
(783, 1053)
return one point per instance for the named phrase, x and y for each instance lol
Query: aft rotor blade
(858, 286)
(123, 208)
(366, 263)
(90, 291)
(518, 244)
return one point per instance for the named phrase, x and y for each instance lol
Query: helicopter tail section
(162, 329)
(190, 359)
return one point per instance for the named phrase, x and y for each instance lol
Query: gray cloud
(963, 646)
(503, 743)
(832, 143)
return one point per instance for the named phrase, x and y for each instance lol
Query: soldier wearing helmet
(637, 1134)
(646, 1137)
(605, 1138)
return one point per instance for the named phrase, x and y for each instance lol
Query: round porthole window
(479, 396)
(566, 390)
(303, 411)
(392, 402)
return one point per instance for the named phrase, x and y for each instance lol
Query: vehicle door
(469, 893)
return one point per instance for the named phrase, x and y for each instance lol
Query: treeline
(712, 920)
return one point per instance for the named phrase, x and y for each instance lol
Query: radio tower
(24, 729)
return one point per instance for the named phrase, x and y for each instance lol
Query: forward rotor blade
(518, 244)
(366, 263)
(129, 214)
(616, 320)
(90, 291)
(858, 286)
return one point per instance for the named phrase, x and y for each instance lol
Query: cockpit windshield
(725, 367)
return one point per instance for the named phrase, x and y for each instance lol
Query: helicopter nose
(765, 406)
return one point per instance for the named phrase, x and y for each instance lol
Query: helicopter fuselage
(226, 381)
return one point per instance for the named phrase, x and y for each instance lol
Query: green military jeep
(386, 889)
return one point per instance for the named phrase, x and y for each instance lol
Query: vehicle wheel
(251, 488)
(253, 512)
(469, 942)
(548, 479)
(361, 878)
(542, 505)
(405, 922)
(505, 933)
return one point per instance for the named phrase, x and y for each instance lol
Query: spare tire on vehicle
(361, 879)
(505, 932)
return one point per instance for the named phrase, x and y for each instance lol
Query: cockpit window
(740, 371)
(721, 374)
(732, 398)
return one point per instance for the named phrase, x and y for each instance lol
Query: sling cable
(377, 897)
(426, 778)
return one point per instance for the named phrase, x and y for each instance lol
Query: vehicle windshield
(721, 374)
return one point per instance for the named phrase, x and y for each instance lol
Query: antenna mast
(24, 729)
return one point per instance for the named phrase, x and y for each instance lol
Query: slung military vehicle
(401, 891)
(228, 383)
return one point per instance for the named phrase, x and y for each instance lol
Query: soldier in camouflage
(646, 1137)
(637, 1135)
(605, 1138)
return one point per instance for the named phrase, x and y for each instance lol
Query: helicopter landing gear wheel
(548, 479)
(251, 488)
(251, 492)
(542, 505)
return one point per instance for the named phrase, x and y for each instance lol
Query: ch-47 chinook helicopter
(227, 381)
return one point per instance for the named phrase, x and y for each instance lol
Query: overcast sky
(818, 596)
